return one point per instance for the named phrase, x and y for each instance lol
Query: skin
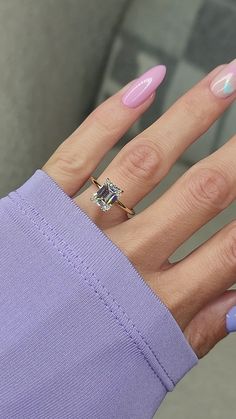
(195, 289)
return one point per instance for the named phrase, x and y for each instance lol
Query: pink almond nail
(144, 86)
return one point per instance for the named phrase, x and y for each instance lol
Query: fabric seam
(67, 249)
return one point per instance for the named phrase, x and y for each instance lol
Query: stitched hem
(117, 311)
(112, 274)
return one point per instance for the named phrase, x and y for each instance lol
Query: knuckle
(210, 188)
(195, 110)
(229, 252)
(105, 119)
(142, 162)
(197, 342)
(68, 163)
(200, 340)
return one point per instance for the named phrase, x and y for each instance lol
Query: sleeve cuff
(113, 277)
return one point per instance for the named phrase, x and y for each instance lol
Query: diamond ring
(107, 195)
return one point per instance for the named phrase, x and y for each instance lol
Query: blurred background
(59, 58)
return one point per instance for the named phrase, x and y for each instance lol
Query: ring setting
(107, 195)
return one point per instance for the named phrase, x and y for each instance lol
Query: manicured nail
(143, 87)
(224, 84)
(231, 320)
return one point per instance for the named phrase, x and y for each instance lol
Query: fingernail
(224, 84)
(231, 320)
(144, 86)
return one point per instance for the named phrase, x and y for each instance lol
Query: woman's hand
(194, 289)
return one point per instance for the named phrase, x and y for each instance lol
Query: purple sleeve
(82, 335)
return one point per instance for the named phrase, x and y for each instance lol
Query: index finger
(75, 159)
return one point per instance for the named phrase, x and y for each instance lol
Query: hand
(194, 289)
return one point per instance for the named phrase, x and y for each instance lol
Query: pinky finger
(211, 324)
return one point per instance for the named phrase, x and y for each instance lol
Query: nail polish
(231, 320)
(224, 84)
(143, 87)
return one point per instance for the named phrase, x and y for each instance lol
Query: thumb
(210, 325)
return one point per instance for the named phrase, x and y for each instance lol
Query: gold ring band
(129, 211)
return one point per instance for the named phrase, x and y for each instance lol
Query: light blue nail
(231, 320)
(228, 88)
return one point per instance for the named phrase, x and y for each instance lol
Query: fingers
(202, 276)
(143, 162)
(75, 159)
(200, 194)
(208, 327)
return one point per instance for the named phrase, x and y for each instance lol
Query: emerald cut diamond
(107, 195)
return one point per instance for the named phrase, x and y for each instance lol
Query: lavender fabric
(82, 335)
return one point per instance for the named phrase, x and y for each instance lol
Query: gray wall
(52, 54)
